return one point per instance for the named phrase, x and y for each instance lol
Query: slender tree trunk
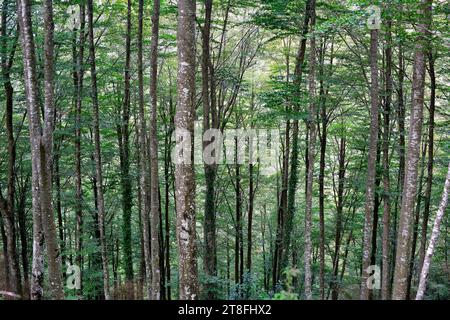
(412, 158)
(371, 166)
(323, 146)
(23, 237)
(153, 140)
(184, 172)
(311, 154)
(401, 155)
(79, 59)
(97, 153)
(434, 238)
(293, 170)
(125, 179)
(339, 209)
(430, 161)
(7, 205)
(143, 179)
(210, 265)
(386, 181)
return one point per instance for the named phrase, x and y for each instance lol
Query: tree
(412, 156)
(124, 150)
(434, 238)
(371, 165)
(41, 141)
(184, 172)
(100, 206)
(311, 153)
(153, 140)
(7, 204)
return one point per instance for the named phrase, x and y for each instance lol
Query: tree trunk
(339, 209)
(79, 73)
(41, 140)
(97, 153)
(430, 161)
(7, 205)
(125, 179)
(371, 166)
(412, 157)
(293, 177)
(386, 181)
(434, 238)
(210, 265)
(143, 177)
(153, 140)
(311, 154)
(184, 172)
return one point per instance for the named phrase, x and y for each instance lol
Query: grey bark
(184, 172)
(434, 238)
(404, 235)
(371, 166)
(41, 140)
(153, 140)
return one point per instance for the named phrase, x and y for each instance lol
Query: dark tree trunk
(79, 73)
(311, 155)
(125, 179)
(430, 161)
(210, 265)
(386, 180)
(293, 170)
(7, 204)
(97, 152)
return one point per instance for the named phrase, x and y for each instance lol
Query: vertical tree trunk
(79, 59)
(210, 265)
(434, 238)
(323, 146)
(41, 140)
(143, 178)
(293, 177)
(415, 223)
(184, 172)
(371, 166)
(48, 224)
(412, 158)
(311, 154)
(31, 88)
(339, 209)
(7, 205)
(23, 236)
(125, 178)
(401, 154)
(153, 140)
(386, 181)
(97, 153)
(430, 161)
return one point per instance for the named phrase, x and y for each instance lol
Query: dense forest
(224, 149)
